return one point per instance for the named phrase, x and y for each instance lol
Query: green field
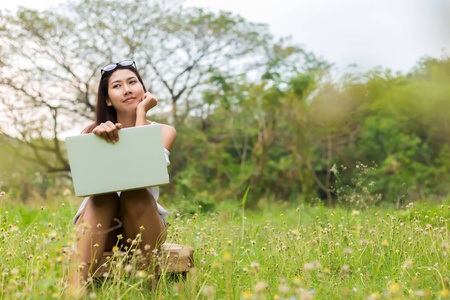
(276, 252)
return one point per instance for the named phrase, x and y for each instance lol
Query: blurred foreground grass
(276, 252)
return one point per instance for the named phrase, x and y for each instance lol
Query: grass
(276, 252)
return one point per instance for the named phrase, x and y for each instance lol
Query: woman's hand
(148, 102)
(109, 131)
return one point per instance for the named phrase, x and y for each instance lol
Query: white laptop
(137, 160)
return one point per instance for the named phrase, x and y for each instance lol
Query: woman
(122, 101)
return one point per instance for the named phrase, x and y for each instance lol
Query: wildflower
(230, 242)
(206, 275)
(96, 245)
(308, 266)
(260, 287)
(355, 212)
(14, 271)
(147, 247)
(128, 268)
(334, 169)
(254, 266)
(42, 207)
(216, 265)
(345, 268)
(226, 257)
(408, 264)
(263, 248)
(245, 269)
(385, 243)
(142, 227)
(140, 274)
(49, 224)
(316, 264)
(347, 251)
(253, 242)
(394, 288)
(297, 280)
(284, 288)
(93, 295)
(247, 295)
(208, 291)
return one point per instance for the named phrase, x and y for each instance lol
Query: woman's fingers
(109, 131)
(148, 102)
(152, 100)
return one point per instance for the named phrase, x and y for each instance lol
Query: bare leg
(138, 208)
(92, 234)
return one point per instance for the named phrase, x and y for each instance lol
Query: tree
(50, 61)
(254, 132)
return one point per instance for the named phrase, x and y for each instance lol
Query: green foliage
(281, 136)
(23, 179)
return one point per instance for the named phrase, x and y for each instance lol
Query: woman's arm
(148, 102)
(169, 135)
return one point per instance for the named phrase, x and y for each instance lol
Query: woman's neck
(127, 120)
(133, 119)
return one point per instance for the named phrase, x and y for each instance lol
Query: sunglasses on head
(111, 67)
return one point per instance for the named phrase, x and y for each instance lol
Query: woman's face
(124, 90)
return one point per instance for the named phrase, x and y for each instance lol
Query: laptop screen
(137, 160)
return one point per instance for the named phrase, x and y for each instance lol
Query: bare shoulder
(169, 129)
(169, 135)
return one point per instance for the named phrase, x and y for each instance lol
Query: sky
(354, 35)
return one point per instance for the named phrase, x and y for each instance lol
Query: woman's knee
(107, 202)
(137, 202)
